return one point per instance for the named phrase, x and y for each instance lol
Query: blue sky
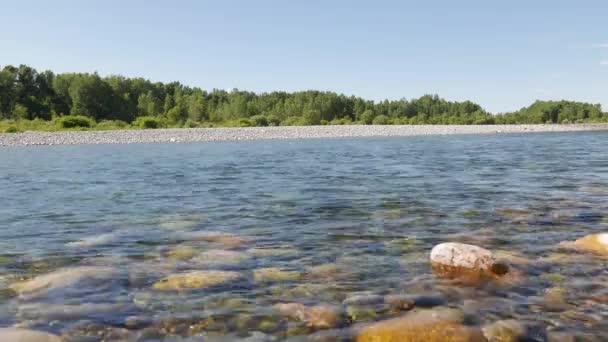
(502, 55)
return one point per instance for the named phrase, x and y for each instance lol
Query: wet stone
(505, 331)
(427, 325)
(271, 274)
(196, 279)
(24, 335)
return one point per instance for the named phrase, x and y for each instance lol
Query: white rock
(59, 279)
(461, 255)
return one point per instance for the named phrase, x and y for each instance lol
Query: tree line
(27, 94)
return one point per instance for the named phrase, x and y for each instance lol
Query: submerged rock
(594, 243)
(263, 252)
(181, 252)
(316, 317)
(505, 331)
(93, 241)
(61, 278)
(295, 311)
(196, 279)
(364, 299)
(466, 262)
(274, 274)
(555, 299)
(219, 257)
(399, 302)
(514, 215)
(87, 331)
(361, 313)
(24, 335)
(324, 316)
(426, 325)
(227, 240)
(329, 271)
(65, 312)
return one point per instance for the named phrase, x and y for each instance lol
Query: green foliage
(190, 124)
(381, 120)
(555, 112)
(148, 122)
(244, 122)
(367, 117)
(342, 121)
(293, 121)
(273, 120)
(108, 125)
(259, 120)
(324, 122)
(75, 121)
(11, 129)
(27, 95)
(20, 112)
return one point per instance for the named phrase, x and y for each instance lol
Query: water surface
(367, 209)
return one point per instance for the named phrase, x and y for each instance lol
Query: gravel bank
(254, 133)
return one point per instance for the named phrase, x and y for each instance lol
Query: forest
(43, 100)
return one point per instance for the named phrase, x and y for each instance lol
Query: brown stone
(416, 328)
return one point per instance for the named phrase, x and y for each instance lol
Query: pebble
(179, 135)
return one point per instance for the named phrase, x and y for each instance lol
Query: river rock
(324, 316)
(226, 240)
(328, 272)
(274, 274)
(505, 331)
(364, 299)
(295, 311)
(424, 325)
(555, 299)
(196, 279)
(594, 243)
(399, 302)
(181, 252)
(467, 262)
(65, 312)
(219, 257)
(264, 252)
(61, 278)
(23, 335)
(316, 317)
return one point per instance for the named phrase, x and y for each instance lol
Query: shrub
(259, 120)
(147, 122)
(273, 120)
(293, 121)
(11, 129)
(74, 121)
(107, 125)
(244, 122)
(341, 121)
(324, 122)
(367, 117)
(191, 124)
(381, 120)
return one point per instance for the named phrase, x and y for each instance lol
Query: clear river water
(333, 223)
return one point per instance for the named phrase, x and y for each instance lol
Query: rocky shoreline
(268, 133)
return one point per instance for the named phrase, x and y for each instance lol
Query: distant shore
(269, 133)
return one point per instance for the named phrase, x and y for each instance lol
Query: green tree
(368, 117)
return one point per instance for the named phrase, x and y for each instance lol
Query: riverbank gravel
(258, 133)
